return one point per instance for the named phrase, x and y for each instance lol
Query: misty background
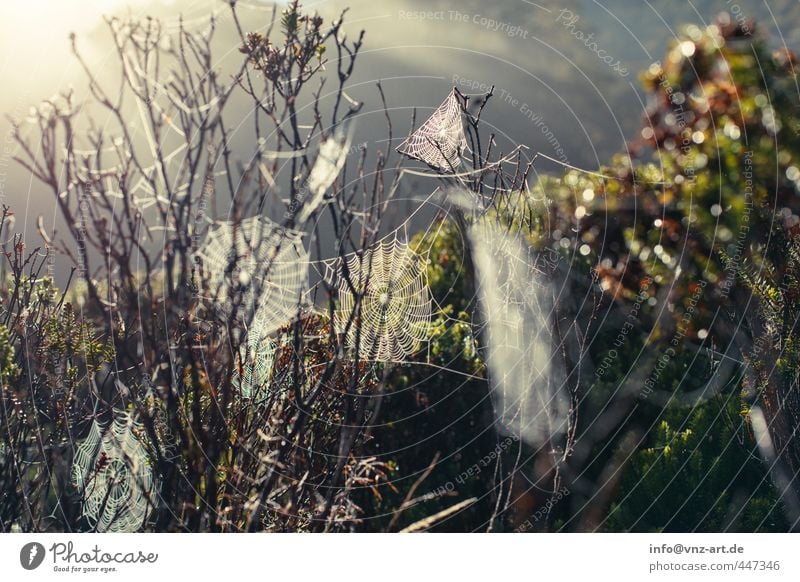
(558, 90)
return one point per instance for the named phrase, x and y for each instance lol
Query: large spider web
(439, 141)
(259, 270)
(112, 471)
(529, 398)
(396, 307)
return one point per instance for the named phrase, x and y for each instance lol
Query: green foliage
(774, 281)
(9, 370)
(695, 205)
(677, 217)
(439, 405)
(720, 149)
(71, 341)
(685, 209)
(699, 471)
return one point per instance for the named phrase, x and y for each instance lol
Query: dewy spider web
(257, 268)
(526, 382)
(439, 141)
(254, 367)
(112, 471)
(395, 312)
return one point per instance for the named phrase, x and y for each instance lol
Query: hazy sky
(555, 90)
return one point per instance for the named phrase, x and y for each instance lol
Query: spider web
(112, 471)
(396, 306)
(330, 160)
(258, 272)
(529, 397)
(254, 367)
(439, 141)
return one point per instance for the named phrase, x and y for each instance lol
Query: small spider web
(112, 471)
(253, 367)
(257, 269)
(396, 307)
(439, 141)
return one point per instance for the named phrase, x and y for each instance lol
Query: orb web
(396, 307)
(258, 272)
(253, 367)
(439, 141)
(528, 389)
(113, 473)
